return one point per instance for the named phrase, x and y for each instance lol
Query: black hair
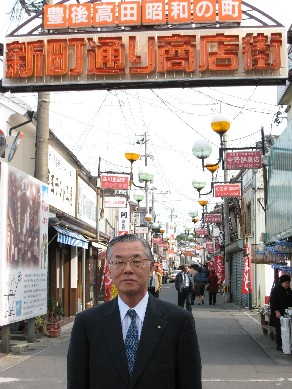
(126, 238)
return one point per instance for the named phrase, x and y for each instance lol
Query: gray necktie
(132, 340)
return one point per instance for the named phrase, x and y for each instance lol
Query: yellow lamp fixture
(212, 168)
(195, 220)
(132, 157)
(203, 202)
(148, 217)
(220, 124)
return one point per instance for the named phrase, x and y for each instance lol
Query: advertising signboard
(24, 213)
(114, 181)
(86, 206)
(62, 183)
(124, 221)
(243, 160)
(227, 190)
(212, 218)
(114, 202)
(202, 231)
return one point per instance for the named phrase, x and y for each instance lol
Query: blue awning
(71, 238)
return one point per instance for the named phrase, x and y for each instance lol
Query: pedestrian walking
(155, 282)
(135, 340)
(212, 287)
(184, 285)
(280, 299)
(200, 281)
(192, 271)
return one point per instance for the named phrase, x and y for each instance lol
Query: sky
(108, 123)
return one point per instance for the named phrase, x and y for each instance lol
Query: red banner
(219, 268)
(210, 247)
(246, 277)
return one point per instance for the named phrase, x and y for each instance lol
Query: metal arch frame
(247, 12)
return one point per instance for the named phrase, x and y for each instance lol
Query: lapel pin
(158, 327)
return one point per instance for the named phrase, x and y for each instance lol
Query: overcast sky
(104, 123)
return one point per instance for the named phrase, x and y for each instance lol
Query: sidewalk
(22, 350)
(249, 320)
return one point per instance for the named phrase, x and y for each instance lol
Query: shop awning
(101, 247)
(71, 238)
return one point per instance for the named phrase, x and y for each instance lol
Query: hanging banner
(246, 287)
(219, 268)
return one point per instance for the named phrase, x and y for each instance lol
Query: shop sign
(114, 202)
(114, 181)
(138, 13)
(127, 59)
(243, 160)
(141, 230)
(212, 218)
(227, 190)
(124, 221)
(86, 206)
(202, 231)
(210, 247)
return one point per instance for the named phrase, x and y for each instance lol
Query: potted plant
(55, 313)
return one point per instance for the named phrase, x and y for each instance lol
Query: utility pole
(226, 230)
(42, 137)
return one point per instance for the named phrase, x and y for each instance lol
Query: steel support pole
(226, 230)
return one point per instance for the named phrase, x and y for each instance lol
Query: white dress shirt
(140, 311)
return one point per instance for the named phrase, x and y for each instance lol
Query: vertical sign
(246, 277)
(124, 221)
(219, 268)
(24, 210)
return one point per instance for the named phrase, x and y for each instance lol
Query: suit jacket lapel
(153, 328)
(113, 336)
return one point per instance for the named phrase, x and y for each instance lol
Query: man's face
(185, 269)
(131, 282)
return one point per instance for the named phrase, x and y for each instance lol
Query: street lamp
(202, 150)
(148, 217)
(138, 196)
(194, 216)
(198, 185)
(132, 156)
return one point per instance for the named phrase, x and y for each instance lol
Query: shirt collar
(140, 308)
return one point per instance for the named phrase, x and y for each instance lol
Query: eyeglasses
(136, 261)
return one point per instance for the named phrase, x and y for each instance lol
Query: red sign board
(227, 190)
(212, 218)
(202, 231)
(210, 247)
(243, 160)
(114, 181)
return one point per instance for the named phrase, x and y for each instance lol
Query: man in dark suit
(184, 285)
(136, 340)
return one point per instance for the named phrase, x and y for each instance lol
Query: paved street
(235, 353)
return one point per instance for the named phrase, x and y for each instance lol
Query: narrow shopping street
(235, 353)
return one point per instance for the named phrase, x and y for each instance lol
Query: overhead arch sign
(144, 56)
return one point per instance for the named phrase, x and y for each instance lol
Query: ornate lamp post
(147, 176)
(138, 196)
(202, 150)
(198, 185)
(132, 156)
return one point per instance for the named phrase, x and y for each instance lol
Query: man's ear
(152, 266)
